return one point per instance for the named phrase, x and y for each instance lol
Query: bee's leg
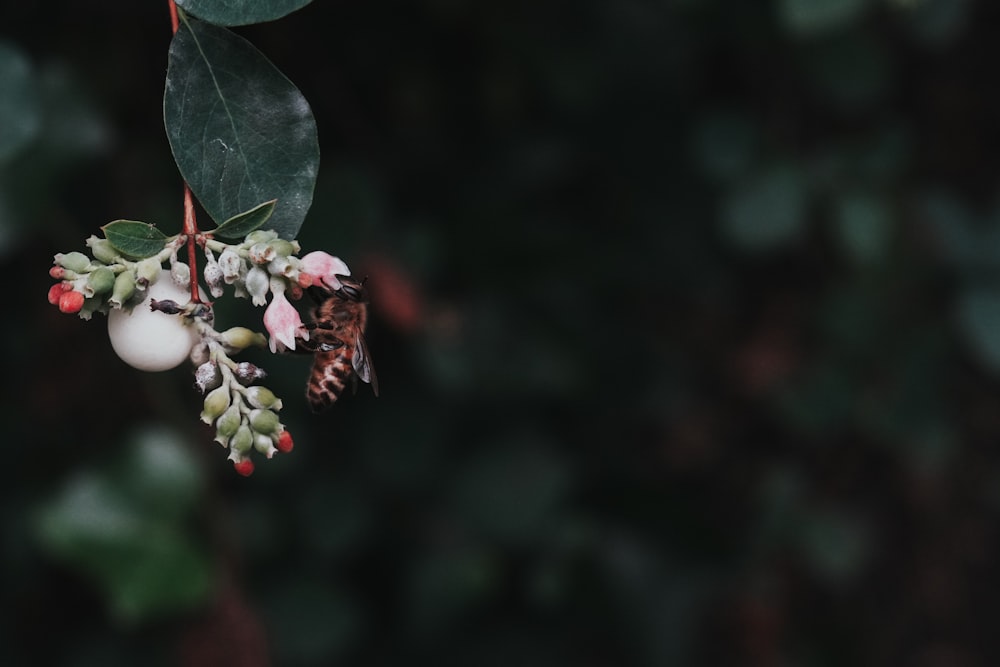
(318, 325)
(317, 344)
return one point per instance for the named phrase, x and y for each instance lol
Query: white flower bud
(180, 274)
(263, 444)
(207, 376)
(214, 279)
(261, 253)
(257, 284)
(231, 265)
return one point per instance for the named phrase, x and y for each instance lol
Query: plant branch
(190, 221)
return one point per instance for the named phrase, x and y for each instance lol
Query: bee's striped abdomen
(331, 372)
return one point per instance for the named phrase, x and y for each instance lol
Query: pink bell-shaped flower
(282, 321)
(324, 268)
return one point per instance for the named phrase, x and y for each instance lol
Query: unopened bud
(102, 250)
(100, 281)
(285, 443)
(228, 424)
(123, 289)
(215, 404)
(231, 265)
(242, 440)
(180, 274)
(264, 421)
(243, 466)
(257, 284)
(247, 373)
(263, 444)
(281, 266)
(207, 376)
(240, 338)
(73, 261)
(261, 253)
(283, 248)
(262, 398)
(214, 279)
(71, 301)
(147, 271)
(260, 236)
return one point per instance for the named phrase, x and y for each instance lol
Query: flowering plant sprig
(135, 265)
(240, 133)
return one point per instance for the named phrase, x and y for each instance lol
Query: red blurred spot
(395, 295)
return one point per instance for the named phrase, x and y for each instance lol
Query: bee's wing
(363, 363)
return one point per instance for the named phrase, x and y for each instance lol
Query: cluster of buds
(170, 327)
(244, 415)
(264, 264)
(107, 280)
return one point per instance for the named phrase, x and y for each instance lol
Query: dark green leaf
(241, 133)
(240, 12)
(20, 113)
(242, 224)
(134, 239)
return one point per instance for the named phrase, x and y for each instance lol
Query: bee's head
(353, 290)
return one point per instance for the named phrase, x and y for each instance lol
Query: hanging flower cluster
(156, 320)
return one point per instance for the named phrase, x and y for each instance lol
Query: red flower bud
(57, 272)
(285, 443)
(244, 467)
(55, 292)
(71, 302)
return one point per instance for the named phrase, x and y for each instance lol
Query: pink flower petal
(324, 268)
(282, 321)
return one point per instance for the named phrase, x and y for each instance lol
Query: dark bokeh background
(686, 318)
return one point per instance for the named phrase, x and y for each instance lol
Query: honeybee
(337, 341)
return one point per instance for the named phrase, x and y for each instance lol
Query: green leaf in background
(864, 224)
(121, 527)
(979, 319)
(766, 211)
(240, 131)
(134, 239)
(807, 17)
(20, 109)
(242, 224)
(240, 12)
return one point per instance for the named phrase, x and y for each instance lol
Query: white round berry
(151, 340)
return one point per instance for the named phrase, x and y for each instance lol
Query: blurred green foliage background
(686, 320)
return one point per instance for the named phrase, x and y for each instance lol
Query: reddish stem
(191, 231)
(174, 23)
(190, 222)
